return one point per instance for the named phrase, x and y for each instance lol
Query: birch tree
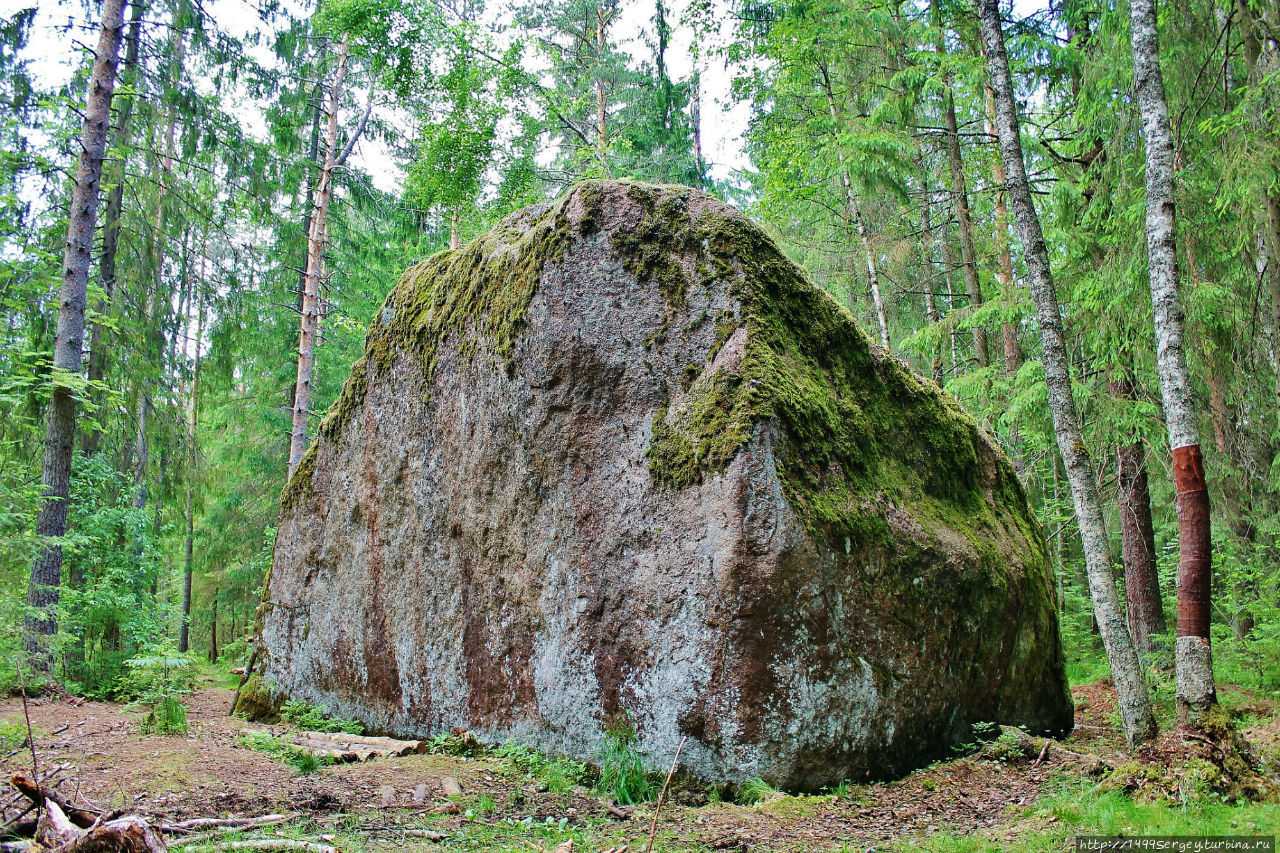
(1194, 656)
(1131, 689)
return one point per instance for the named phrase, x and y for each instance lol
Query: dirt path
(206, 773)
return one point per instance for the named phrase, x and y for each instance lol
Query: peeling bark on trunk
(1126, 670)
(1137, 535)
(1194, 653)
(316, 242)
(51, 524)
(968, 253)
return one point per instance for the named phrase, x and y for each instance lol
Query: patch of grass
(13, 734)
(299, 759)
(480, 806)
(313, 718)
(1074, 806)
(796, 807)
(754, 791)
(622, 772)
(557, 775)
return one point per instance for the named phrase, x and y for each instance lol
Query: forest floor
(977, 802)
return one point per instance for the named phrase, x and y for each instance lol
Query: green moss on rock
(257, 701)
(477, 294)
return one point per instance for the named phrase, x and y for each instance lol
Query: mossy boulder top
(617, 461)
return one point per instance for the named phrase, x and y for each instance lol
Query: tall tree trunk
(603, 19)
(968, 253)
(1194, 654)
(153, 317)
(213, 627)
(1137, 536)
(60, 428)
(193, 457)
(455, 239)
(316, 241)
(695, 119)
(931, 254)
(308, 206)
(1004, 260)
(949, 266)
(854, 214)
(1126, 671)
(92, 438)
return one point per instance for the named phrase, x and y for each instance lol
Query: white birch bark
(1131, 688)
(1194, 655)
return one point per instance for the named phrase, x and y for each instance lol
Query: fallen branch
(278, 844)
(42, 796)
(200, 823)
(662, 796)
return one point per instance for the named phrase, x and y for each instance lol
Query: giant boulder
(618, 462)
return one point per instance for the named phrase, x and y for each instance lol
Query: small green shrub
(622, 772)
(558, 775)
(13, 734)
(460, 745)
(754, 791)
(158, 679)
(286, 753)
(166, 717)
(313, 718)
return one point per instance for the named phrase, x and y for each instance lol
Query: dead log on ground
(130, 834)
(83, 817)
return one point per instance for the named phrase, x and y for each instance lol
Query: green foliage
(166, 717)
(313, 718)
(299, 759)
(753, 792)
(13, 734)
(558, 775)
(158, 679)
(622, 770)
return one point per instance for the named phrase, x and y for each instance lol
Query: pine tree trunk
(213, 628)
(1194, 654)
(949, 265)
(193, 456)
(153, 318)
(968, 253)
(1137, 536)
(60, 428)
(308, 206)
(316, 242)
(92, 438)
(1126, 671)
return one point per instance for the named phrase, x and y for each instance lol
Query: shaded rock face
(617, 460)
